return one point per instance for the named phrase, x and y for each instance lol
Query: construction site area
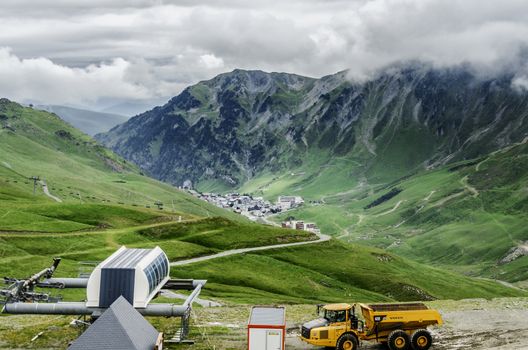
(498, 324)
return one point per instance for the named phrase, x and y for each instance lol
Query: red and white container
(267, 328)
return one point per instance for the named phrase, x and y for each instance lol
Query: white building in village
(301, 225)
(288, 202)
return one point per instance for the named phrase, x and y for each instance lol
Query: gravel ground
(469, 324)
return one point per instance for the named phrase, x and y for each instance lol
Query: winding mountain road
(396, 206)
(322, 238)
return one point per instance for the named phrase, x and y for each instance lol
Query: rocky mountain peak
(240, 124)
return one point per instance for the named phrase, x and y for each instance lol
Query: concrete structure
(120, 327)
(267, 328)
(299, 225)
(310, 226)
(288, 202)
(136, 274)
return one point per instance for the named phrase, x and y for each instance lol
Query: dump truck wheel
(421, 339)
(399, 340)
(347, 342)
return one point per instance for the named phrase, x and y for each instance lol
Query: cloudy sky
(94, 53)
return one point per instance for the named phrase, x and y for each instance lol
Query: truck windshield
(334, 315)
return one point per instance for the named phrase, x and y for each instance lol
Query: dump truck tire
(399, 340)
(347, 342)
(421, 339)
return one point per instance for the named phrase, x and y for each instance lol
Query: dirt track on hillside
(320, 238)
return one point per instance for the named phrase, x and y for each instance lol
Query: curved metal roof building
(136, 274)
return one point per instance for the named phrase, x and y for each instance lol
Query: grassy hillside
(333, 272)
(106, 202)
(414, 131)
(468, 216)
(112, 203)
(320, 272)
(76, 169)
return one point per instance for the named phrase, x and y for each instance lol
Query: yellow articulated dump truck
(400, 326)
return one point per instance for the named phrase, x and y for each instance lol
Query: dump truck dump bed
(407, 316)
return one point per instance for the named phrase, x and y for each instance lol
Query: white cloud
(211, 61)
(40, 79)
(84, 51)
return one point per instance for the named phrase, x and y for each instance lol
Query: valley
(264, 175)
(415, 160)
(451, 230)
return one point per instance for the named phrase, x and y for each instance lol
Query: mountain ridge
(88, 121)
(228, 129)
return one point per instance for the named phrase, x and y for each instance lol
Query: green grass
(220, 233)
(77, 170)
(332, 272)
(20, 251)
(55, 217)
(105, 205)
(319, 175)
(438, 219)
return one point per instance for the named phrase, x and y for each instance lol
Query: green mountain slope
(81, 173)
(347, 145)
(76, 170)
(469, 216)
(334, 272)
(245, 128)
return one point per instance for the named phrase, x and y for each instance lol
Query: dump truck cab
(337, 323)
(400, 326)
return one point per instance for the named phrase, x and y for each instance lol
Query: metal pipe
(70, 308)
(168, 310)
(81, 282)
(188, 302)
(79, 308)
(67, 282)
(196, 283)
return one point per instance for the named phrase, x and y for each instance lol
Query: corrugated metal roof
(120, 327)
(127, 258)
(272, 316)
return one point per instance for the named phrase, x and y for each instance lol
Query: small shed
(267, 328)
(120, 327)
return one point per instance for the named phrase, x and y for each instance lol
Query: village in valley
(256, 208)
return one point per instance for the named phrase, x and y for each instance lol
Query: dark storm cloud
(81, 52)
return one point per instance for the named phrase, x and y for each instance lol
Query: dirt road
(47, 192)
(322, 238)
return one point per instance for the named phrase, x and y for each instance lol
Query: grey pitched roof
(120, 327)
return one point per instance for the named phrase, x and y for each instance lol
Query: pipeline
(83, 283)
(66, 282)
(66, 308)
(80, 308)
(188, 302)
